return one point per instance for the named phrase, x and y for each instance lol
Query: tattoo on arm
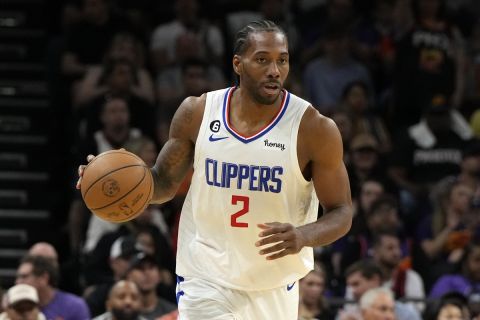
(172, 165)
(176, 156)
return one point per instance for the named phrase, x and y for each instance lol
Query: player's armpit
(176, 156)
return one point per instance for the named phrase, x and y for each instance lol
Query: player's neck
(248, 116)
(247, 108)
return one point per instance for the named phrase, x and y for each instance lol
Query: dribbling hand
(81, 168)
(286, 239)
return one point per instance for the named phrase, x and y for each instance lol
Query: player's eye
(283, 60)
(261, 60)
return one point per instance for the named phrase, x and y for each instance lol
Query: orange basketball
(117, 186)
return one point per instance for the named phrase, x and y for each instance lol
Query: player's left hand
(286, 239)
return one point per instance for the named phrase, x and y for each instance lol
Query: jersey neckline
(246, 139)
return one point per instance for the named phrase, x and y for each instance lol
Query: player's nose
(273, 70)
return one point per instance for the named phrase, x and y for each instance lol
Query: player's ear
(237, 64)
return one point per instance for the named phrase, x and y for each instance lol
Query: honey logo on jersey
(269, 145)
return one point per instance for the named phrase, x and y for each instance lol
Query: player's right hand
(81, 168)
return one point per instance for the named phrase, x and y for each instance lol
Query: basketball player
(260, 154)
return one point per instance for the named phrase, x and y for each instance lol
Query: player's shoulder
(197, 104)
(319, 137)
(189, 115)
(314, 123)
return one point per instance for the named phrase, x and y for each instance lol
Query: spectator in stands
(119, 79)
(192, 76)
(450, 311)
(97, 260)
(356, 102)
(362, 276)
(44, 249)
(382, 217)
(123, 46)
(451, 306)
(144, 147)
(158, 243)
(42, 273)
(116, 128)
(313, 304)
(430, 151)
(430, 61)
(378, 304)
(21, 303)
(467, 280)
(405, 282)
(123, 302)
(186, 36)
(325, 78)
(145, 272)
(365, 162)
(70, 275)
(443, 235)
(370, 191)
(470, 169)
(121, 252)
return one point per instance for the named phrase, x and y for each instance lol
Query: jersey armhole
(294, 151)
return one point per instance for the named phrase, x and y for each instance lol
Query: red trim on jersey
(282, 106)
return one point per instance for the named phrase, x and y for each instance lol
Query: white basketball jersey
(239, 182)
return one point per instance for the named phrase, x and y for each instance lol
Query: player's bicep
(329, 174)
(331, 186)
(176, 156)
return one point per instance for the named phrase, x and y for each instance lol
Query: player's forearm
(163, 188)
(173, 163)
(330, 227)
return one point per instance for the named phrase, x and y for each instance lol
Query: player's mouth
(271, 88)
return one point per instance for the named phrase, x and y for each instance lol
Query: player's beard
(254, 88)
(122, 314)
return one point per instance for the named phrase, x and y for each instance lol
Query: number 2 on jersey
(246, 205)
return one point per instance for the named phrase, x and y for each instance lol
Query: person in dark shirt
(429, 151)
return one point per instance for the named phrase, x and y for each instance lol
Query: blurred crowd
(401, 79)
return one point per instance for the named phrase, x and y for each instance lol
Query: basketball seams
(144, 205)
(122, 152)
(126, 194)
(120, 207)
(110, 172)
(109, 152)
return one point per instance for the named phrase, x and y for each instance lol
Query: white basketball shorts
(202, 300)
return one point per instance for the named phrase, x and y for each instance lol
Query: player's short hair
(241, 38)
